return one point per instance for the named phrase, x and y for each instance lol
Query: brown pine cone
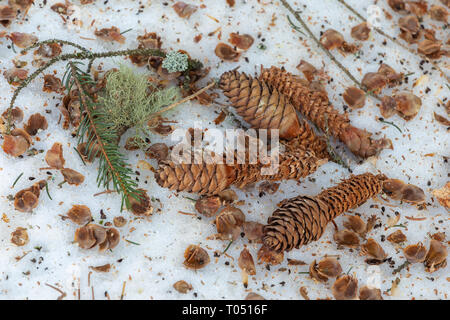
(308, 140)
(303, 219)
(261, 107)
(212, 178)
(315, 106)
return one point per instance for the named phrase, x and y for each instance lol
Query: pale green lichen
(130, 100)
(176, 62)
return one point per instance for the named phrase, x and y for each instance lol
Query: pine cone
(261, 107)
(303, 219)
(212, 178)
(315, 106)
(308, 140)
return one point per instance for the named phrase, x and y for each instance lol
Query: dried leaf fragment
(229, 222)
(16, 114)
(110, 34)
(443, 195)
(241, 41)
(22, 40)
(52, 84)
(430, 48)
(332, 39)
(397, 237)
(346, 238)
(361, 32)
(354, 97)
(387, 107)
(374, 81)
(438, 13)
(16, 143)
(182, 286)
(345, 288)
(19, 237)
(35, 123)
(15, 76)
(356, 224)
(208, 205)
(54, 156)
(49, 50)
(226, 52)
(265, 254)
(80, 214)
(436, 257)
(158, 151)
(393, 78)
(119, 221)
(308, 70)
(103, 268)
(409, 28)
(374, 251)
(27, 199)
(72, 177)
(246, 262)
(367, 293)
(442, 120)
(326, 268)
(415, 252)
(184, 10)
(141, 206)
(254, 296)
(253, 231)
(195, 257)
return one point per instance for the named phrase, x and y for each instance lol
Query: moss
(130, 99)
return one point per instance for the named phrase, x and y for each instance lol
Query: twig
(395, 40)
(17, 179)
(328, 53)
(63, 294)
(39, 43)
(401, 267)
(123, 290)
(104, 192)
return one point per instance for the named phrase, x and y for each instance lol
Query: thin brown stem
(63, 294)
(192, 96)
(424, 57)
(327, 52)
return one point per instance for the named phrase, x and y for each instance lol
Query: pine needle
(17, 179)
(96, 126)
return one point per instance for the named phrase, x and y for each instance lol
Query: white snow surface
(151, 268)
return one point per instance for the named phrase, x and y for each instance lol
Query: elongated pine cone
(210, 179)
(260, 106)
(301, 220)
(315, 106)
(308, 140)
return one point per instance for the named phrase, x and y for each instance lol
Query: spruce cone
(260, 106)
(303, 219)
(308, 140)
(212, 178)
(315, 106)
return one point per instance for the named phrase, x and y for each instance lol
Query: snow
(152, 267)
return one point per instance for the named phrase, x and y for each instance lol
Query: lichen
(131, 99)
(176, 62)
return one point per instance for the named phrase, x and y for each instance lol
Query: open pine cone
(315, 106)
(303, 219)
(265, 108)
(210, 179)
